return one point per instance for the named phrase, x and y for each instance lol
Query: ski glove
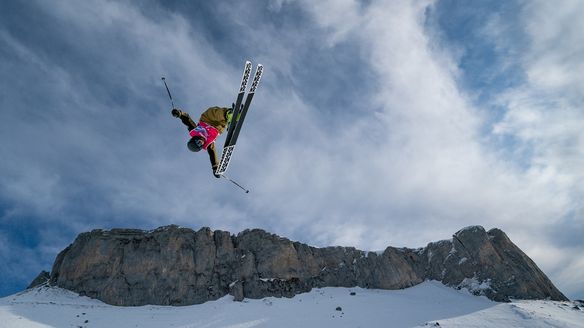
(214, 170)
(175, 112)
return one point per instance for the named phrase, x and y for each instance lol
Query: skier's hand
(175, 112)
(217, 175)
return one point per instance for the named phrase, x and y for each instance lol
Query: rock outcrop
(178, 266)
(41, 279)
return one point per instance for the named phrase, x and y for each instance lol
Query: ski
(237, 121)
(225, 158)
(250, 94)
(237, 106)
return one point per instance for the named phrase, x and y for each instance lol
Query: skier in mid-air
(212, 123)
(215, 120)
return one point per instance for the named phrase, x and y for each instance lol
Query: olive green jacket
(215, 116)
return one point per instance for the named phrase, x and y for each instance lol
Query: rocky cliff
(179, 266)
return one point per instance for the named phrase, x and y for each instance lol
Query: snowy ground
(430, 304)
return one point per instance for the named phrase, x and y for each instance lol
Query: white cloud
(428, 168)
(338, 18)
(412, 167)
(568, 278)
(545, 118)
(554, 62)
(426, 165)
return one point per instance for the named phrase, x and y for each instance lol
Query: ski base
(225, 157)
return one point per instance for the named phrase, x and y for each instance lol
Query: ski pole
(167, 90)
(235, 183)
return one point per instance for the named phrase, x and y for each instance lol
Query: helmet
(196, 143)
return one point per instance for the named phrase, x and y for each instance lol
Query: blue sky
(376, 123)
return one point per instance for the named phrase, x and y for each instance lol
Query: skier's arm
(213, 158)
(185, 118)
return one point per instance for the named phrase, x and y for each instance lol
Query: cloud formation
(362, 132)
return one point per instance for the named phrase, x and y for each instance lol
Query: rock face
(42, 278)
(178, 266)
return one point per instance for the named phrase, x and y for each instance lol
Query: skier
(212, 123)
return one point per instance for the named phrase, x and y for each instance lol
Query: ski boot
(229, 114)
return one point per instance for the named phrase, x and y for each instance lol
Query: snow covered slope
(429, 304)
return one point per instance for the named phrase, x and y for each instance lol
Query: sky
(376, 123)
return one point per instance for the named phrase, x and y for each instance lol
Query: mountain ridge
(174, 265)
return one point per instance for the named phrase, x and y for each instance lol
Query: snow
(532, 314)
(424, 305)
(378, 253)
(474, 286)
(472, 228)
(270, 279)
